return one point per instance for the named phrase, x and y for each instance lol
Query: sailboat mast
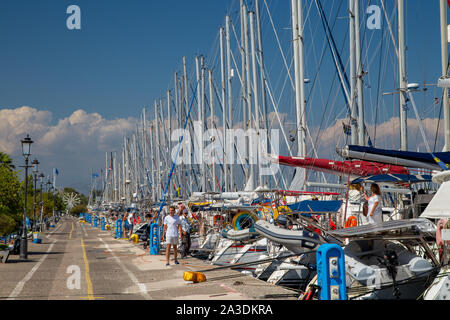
(224, 109)
(230, 92)
(402, 74)
(353, 107)
(211, 104)
(359, 77)
(297, 20)
(262, 74)
(444, 56)
(256, 100)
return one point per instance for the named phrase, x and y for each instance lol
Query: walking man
(170, 234)
(186, 228)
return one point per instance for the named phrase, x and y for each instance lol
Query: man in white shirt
(171, 231)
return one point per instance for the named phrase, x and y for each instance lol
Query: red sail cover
(355, 168)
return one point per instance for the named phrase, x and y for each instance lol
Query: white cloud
(74, 144)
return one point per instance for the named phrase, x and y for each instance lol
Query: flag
(55, 171)
(95, 175)
(347, 129)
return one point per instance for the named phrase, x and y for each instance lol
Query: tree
(6, 161)
(81, 208)
(11, 200)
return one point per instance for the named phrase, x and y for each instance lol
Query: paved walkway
(78, 262)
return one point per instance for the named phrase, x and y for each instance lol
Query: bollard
(331, 272)
(102, 223)
(37, 237)
(154, 239)
(118, 229)
(95, 222)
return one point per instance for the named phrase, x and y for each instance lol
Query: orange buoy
(351, 222)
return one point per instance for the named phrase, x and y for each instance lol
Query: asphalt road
(78, 262)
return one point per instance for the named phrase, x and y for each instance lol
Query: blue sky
(125, 55)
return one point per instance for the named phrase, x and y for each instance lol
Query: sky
(77, 92)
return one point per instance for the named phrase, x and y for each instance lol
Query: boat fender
(440, 225)
(351, 222)
(217, 220)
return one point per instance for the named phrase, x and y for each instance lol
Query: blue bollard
(118, 229)
(95, 222)
(102, 223)
(154, 239)
(331, 272)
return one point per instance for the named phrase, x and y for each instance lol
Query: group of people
(177, 224)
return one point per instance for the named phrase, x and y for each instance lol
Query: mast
(444, 61)
(353, 76)
(256, 102)
(186, 110)
(243, 44)
(230, 94)
(297, 29)
(211, 104)
(224, 109)
(262, 81)
(359, 77)
(158, 159)
(402, 74)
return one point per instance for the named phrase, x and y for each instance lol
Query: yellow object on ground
(193, 276)
(134, 238)
(107, 227)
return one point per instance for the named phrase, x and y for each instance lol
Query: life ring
(243, 216)
(351, 222)
(216, 220)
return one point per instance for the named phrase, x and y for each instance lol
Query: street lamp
(41, 181)
(26, 151)
(35, 164)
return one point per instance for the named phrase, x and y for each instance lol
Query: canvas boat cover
(316, 206)
(355, 167)
(421, 224)
(394, 178)
(423, 157)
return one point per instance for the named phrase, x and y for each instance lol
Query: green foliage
(11, 199)
(78, 209)
(6, 161)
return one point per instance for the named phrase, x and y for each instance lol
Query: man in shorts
(171, 231)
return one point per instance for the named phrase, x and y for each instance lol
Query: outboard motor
(390, 261)
(282, 220)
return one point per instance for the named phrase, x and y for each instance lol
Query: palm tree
(6, 160)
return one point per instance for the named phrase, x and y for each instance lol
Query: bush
(78, 209)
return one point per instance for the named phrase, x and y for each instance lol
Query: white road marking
(133, 278)
(18, 289)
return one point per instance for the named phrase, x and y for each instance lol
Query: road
(78, 262)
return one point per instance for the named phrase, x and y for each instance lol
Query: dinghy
(296, 241)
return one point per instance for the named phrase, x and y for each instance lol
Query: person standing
(170, 234)
(130, 219)
(375, 213)
(186, 228)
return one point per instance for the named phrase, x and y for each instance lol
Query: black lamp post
(35, 164)
(49, 183)
(26, 151)
(41, 181)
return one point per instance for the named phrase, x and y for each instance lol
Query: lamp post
(41, 180)
(26, 151)
(35, 164)
(48, 190)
